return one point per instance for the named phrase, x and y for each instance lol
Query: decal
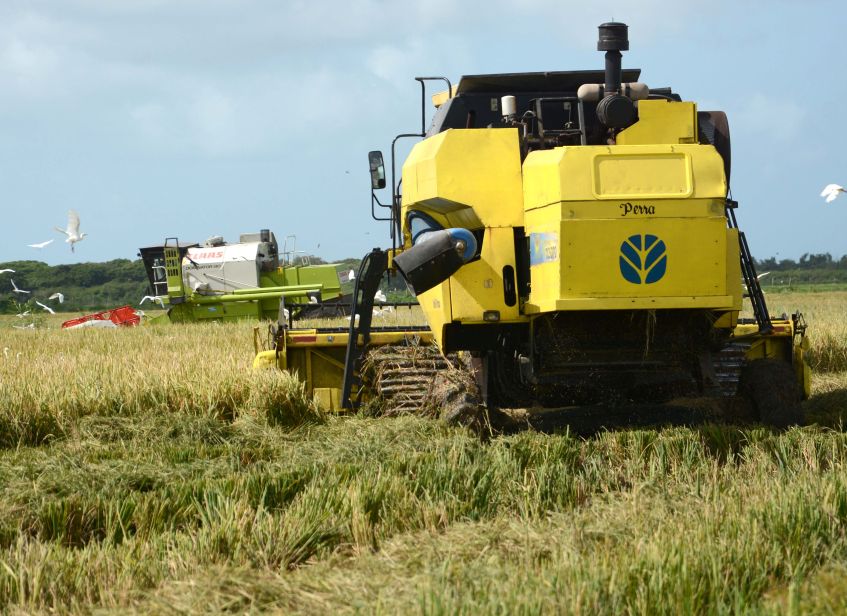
(543, 248)
(643, 259)
(637, 210)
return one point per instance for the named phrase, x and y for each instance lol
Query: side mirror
(377, 169)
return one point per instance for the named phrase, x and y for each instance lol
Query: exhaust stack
(615, 110)
(614, 38)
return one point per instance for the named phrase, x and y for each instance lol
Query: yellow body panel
(584, 203)
(589, 251)
(662, 121)
(637, 173)
(466, 178)
(438, 308)
(478, 286)
(733, 274)
(470, 179)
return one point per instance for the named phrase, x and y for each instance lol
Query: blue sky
(193, 118)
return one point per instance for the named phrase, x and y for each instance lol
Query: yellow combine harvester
(570, 233)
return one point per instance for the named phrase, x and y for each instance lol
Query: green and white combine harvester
(247, 279)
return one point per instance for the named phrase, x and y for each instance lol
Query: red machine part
(125, 316)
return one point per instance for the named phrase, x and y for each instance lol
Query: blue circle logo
(643, 259)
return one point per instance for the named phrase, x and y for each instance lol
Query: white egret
(830, 192)
(21, 315)
(58, 296)
(47, 308)
(351, 275)
(379, 296)
(3, 271)
(40, 244)
(153, 298)
(30, 326)
(15, 287)
(72, 231)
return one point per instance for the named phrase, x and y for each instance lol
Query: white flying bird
(830, 192)
(153, 298)
(47, 308)
(351, 275)
(72, 231)
(15, 287)
(58, 296)
(3, 271)
(40, 245)
(379, 296)
(21, 315)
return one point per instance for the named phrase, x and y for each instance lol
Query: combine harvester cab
(218, 280)
(572, 233)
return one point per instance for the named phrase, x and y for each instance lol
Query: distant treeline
(811, 269)
(86, 286)
(807, 262)
(99, 286)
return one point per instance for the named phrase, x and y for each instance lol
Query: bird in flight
(30, 326)
(47, 308)
(40, 244)
(153, 298)
(21, 315)
(3, 271)
(15, 287)
(830, 192)
(72, 231)
(58, 296)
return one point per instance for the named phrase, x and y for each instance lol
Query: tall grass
(827, 320)
(51, 378)
(150, 470)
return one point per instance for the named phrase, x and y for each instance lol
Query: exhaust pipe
(614, 38)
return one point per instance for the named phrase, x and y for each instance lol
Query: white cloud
(769, 117)
(389, 62)
(30, 66)
(215, 122)
(255, 114)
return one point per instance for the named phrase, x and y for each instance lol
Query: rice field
(149, 470)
